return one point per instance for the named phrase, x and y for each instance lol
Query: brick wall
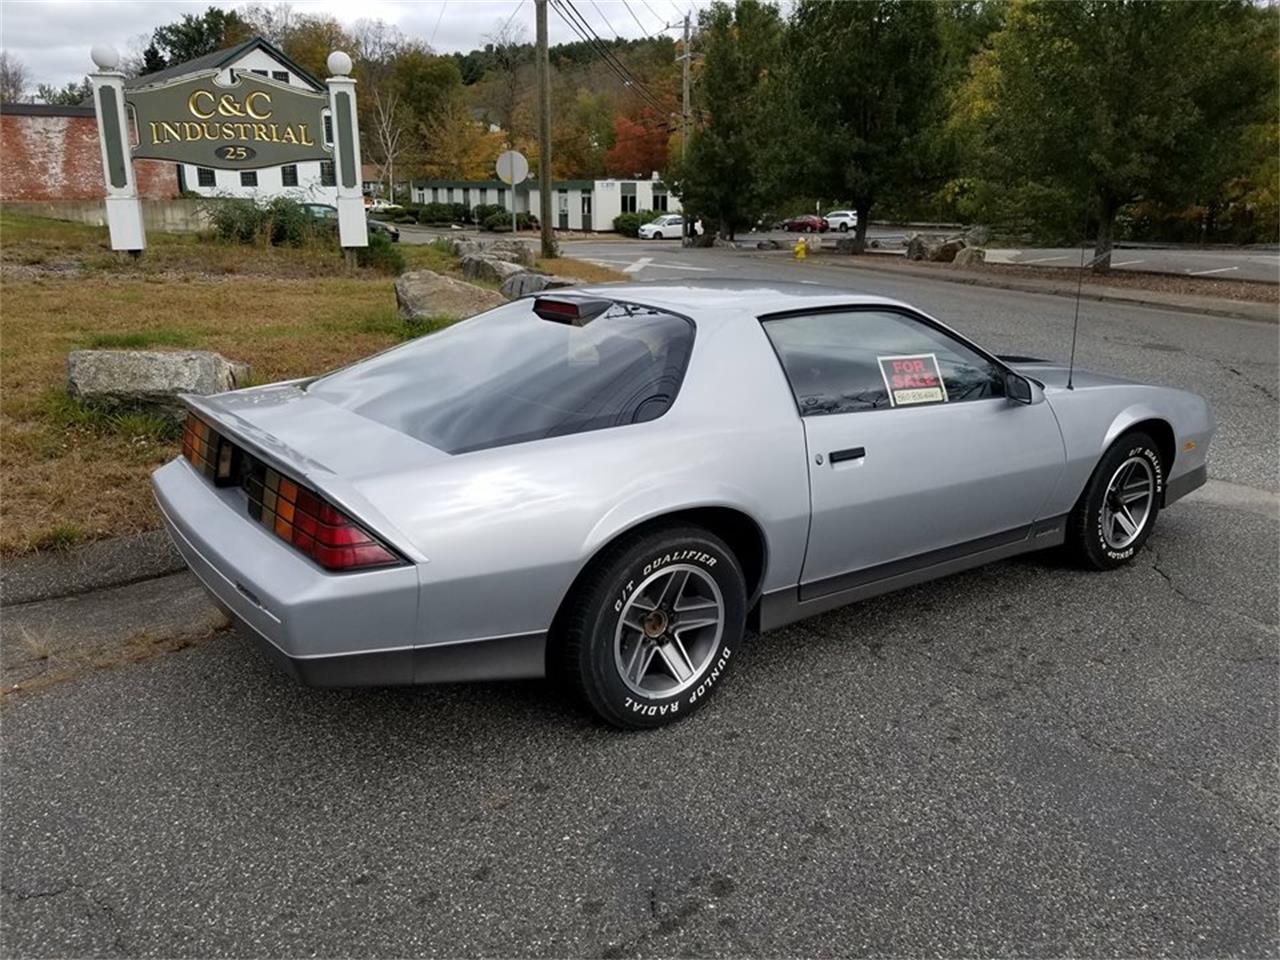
(52, 153)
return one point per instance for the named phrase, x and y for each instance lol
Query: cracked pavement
(1023, 759)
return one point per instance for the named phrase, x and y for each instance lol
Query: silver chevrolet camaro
(612, 485)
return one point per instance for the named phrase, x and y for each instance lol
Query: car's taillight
(310, 523)
(208, 452)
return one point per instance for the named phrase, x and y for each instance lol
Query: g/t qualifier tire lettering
(1117, 511)
(652, 628)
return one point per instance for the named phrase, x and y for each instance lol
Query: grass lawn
(69, 473)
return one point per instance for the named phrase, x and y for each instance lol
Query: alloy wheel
(669, 630)
(1126, 506)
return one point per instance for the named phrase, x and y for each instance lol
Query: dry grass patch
(72, 473)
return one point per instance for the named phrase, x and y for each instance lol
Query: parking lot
(1024, 759)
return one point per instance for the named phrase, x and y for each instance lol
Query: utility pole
(684, 116)
(544, 130)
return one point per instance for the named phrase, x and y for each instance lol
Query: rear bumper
(354, 629)
(327, 630)
(1180, 486)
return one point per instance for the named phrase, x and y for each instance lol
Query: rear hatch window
(507, 377)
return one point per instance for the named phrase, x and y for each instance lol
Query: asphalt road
(1222, 263)
(1022, 760)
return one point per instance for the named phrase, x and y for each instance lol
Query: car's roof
(749, 298)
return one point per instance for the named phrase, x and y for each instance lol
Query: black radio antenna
(1075, 323)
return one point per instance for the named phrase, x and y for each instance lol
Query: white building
(575, 204)
(310, 181)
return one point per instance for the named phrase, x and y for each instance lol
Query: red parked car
(806, 223)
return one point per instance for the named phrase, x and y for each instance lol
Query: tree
(13, 78)
(740, 46)
(1103, 103)
(71, 95)
(193, 36)
(859, 97)
(310, 40)
(639, 145)
(508, 78)
(458, 147)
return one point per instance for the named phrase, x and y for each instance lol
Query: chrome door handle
(849, 453)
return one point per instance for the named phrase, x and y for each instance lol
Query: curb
(106, 563)
(1236, 310)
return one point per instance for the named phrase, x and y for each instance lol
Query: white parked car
(669, 225)
(379, 205)
(842, 220)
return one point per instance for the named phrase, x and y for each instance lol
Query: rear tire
(653, 627)
(1116, 513)
(844, 228)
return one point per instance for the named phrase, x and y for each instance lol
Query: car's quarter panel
(929, 478)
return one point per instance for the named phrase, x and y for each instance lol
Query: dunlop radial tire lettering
(584, 648)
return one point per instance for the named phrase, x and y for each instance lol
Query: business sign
(253, 122)
(913, 379)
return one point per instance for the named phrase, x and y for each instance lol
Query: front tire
(653, 627)
(1116, 513)
(844, 228)
(657, 236)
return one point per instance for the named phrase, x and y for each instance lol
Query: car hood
(1055, 375)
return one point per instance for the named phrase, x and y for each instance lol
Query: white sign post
(353, 229)
(124, 212)
(513, 168)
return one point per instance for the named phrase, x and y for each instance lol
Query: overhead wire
(443, 7)
(636, 19)
(582, 27)
(608, 53)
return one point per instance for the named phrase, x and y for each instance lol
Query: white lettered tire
(1117, 511)
(653, 627)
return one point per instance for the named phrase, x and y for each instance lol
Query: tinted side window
(833, 360)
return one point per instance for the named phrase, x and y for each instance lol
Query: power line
(579, 24)
(636, 19)
(443, 7)
(519, 4)
(609, 54)
(656, 16)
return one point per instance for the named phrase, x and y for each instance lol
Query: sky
(52, 37)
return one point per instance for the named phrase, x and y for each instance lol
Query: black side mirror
(1017, 388)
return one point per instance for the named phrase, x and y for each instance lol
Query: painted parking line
(1127, 263)
(638, 265)
(681, 266)
(1204, 273)
(1042, 260)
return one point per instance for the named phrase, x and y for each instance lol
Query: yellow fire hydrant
(802, 249)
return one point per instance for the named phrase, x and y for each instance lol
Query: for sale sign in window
(913, 380)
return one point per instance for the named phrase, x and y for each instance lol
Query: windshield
(507, 376)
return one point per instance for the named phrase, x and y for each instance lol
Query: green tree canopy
(1104, 102)
(740, 45)
(194, 35)
(857, 110)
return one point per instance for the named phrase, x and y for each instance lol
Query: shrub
(481, 212)
(235, 221)
(441, 213)
(629, 224)
(280, 222)
(287, 223)
(381, 255)
(501, 222)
